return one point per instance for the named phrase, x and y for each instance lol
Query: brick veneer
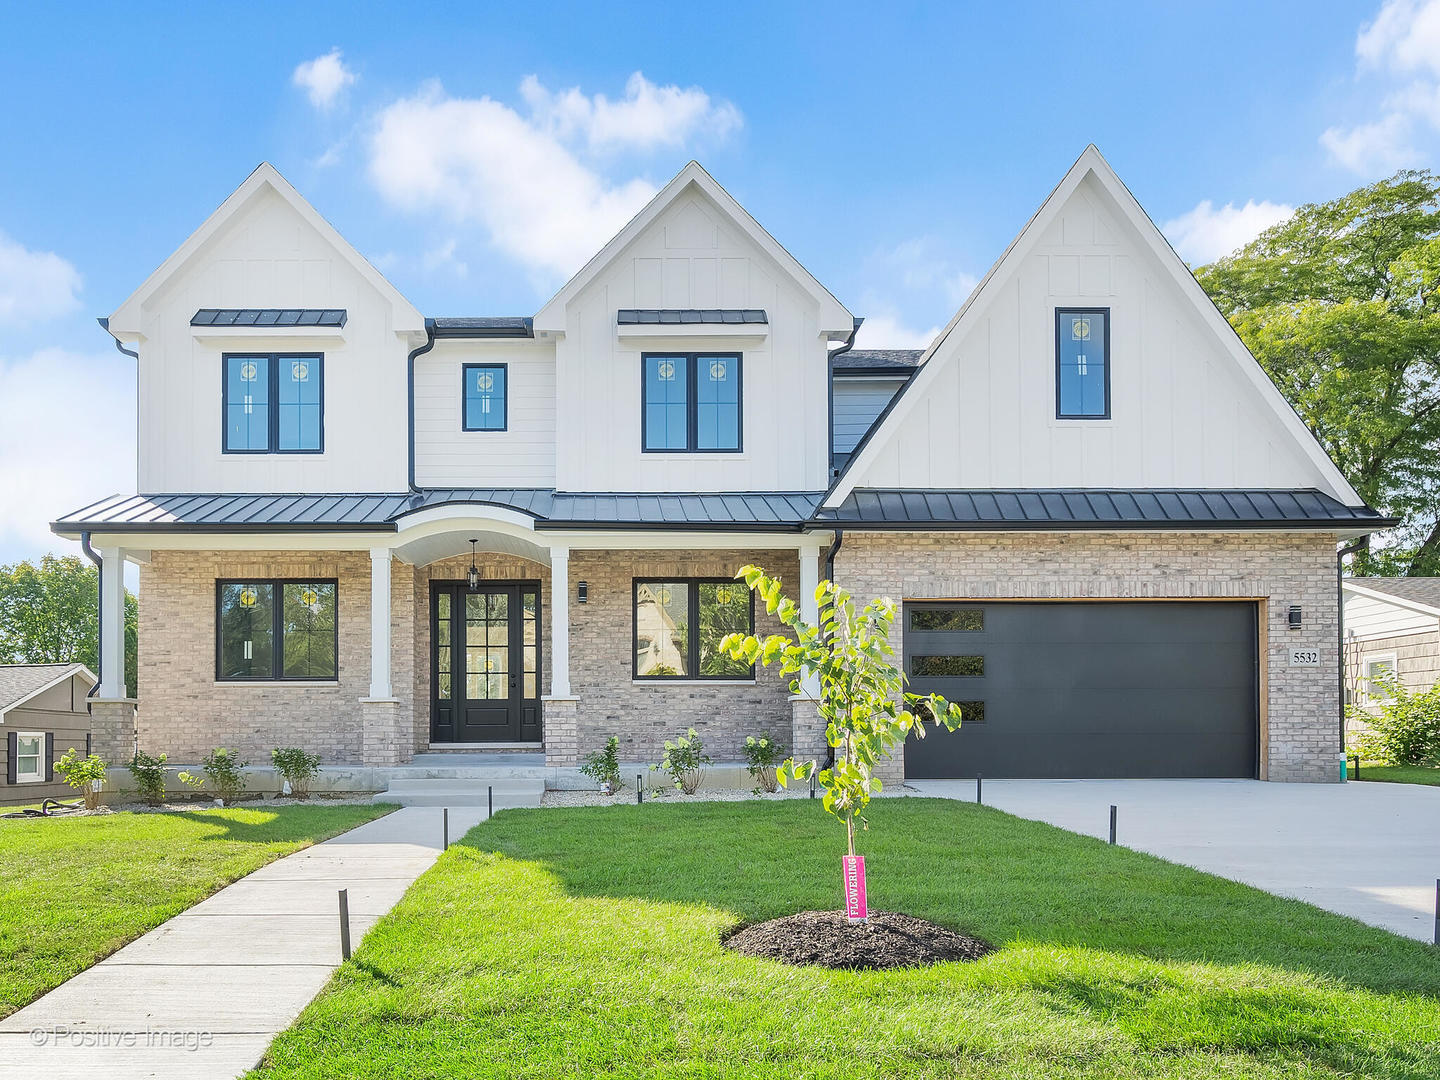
(1303, 742)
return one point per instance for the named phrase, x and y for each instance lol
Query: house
(42, 714)
(1392, 626)
(378, 534)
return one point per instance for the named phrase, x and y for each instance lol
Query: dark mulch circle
(829, 939)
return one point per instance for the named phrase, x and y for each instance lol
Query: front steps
(507, 779)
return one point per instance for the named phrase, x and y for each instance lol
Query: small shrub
(684, 761)
(86, 775)
(603, 766)
(1403, 730)
(296, 766)
(763, 756)
(149, 774)
(222, 768)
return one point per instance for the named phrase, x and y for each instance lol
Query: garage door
(1156, 689)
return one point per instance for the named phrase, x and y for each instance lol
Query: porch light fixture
(1296, 617)
(582, 592)
(474, 570)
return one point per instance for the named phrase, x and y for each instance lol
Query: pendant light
(474, 570)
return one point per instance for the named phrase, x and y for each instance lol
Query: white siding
(692, 255)
(1366, 617)
(521, 456)
(857, 401)
(267, 255)
(1184, 415)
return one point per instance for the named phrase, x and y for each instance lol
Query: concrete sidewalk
(203, 994)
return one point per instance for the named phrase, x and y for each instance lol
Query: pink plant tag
(854, 871)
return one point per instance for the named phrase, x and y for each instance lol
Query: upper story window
(1082, 363)
(274, 403)
(691, 402)
(485, 389)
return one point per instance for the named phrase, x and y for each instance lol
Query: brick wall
(1303, 741)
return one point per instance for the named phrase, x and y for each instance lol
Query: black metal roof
(667, 316)
(1077, 508)
(269, 317)
(877, 361)
(517, 326)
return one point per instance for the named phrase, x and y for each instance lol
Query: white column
(380, 623)
(809, 609)
(560, 622)
(112, 621)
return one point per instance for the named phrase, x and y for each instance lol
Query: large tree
(1341, 305)
(49, 614)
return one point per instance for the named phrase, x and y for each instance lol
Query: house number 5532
(1304, 657)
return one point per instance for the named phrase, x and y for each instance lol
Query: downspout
(99, 612)
(410, 391)
(830, 394)
(1349, 549)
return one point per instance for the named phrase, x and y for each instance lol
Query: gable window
(691, 402)
(276, 630)
(1082, 363)
(29, 757)
(679, 625)
(485, 386)
(273, 403)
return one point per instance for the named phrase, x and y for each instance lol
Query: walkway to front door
(485, 667)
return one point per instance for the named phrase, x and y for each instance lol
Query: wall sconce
(1296, 617)
(582, 592)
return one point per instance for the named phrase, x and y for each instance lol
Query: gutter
(99, 610)
(105, 325)
(1349, 549)
(410, 393)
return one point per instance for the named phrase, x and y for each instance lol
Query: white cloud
(442, 259)
(1404, 37)
(887, 331)
(917, 266)
(1381, 146)
(522, 178)
(1207, 232)
(67, 438)
(912, 276)
(34, 285)
(324, 79)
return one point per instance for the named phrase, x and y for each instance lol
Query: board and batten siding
(692, 256)
(857, 400)
(523, 455)
(1183, 414)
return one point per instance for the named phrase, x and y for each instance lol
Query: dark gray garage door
(1156, 689)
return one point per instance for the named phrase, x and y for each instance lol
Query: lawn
(1399, 774)
(73, 890)
(585, 942)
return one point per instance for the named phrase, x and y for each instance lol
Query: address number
(1304, 657)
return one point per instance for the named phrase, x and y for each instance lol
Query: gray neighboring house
(42, 714)
(1391, 624)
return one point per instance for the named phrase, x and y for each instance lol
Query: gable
(1190, 408)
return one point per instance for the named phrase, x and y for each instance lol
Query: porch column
(559, 622)
(112, 619)
(380, 624)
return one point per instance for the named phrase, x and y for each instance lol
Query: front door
(485, 662)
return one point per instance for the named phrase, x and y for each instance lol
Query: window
(29, 757)
(485, 396)
(946, 667)
(273, 404)
(679, 626)
(691, 402)
(1378, 670)
(1082, 364)
(947, 620)
(276, 630)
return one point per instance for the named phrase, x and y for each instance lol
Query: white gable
(1190, 407)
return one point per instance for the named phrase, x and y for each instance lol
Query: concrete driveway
(1367, 850)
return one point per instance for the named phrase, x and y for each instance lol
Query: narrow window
(691, 402)
(1082, 364)
(947, 620)
(679, 626)
(276, 630)
(667, 407)
(965, 667)
(298, 404)
(273, 404)
(485, 397)
(29, 757)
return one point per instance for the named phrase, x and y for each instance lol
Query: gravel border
(593, 797)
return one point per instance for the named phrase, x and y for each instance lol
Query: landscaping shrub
(762, 756)
(296, 766)
(222, 768)
(603, 766)
(149, 774)
(1404, 730)
(86, 775)
(684, 761)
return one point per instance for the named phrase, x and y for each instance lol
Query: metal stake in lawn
(639, 791)
(812, 783)
(1112, 823)
(978, 800)
(489, 801)
(1437, 911)
(344, 924)
(445, 829)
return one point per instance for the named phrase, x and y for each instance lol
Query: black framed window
(1082, 363)
(273, 403)
(276, 629)
(485, 396)
(679, 624)
(691, 402)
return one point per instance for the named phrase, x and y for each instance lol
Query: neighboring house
(42, 714)
(1107, 528)
(1392, 626)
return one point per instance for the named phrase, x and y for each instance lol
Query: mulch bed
(828, 939)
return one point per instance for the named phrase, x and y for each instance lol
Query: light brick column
(385, 733)
(112, 731)
(562, 732)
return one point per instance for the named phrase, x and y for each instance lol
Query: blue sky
(477, 152)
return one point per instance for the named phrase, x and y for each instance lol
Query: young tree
(867, 711)
(1341, 305)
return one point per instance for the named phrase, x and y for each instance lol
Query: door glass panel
(970, 667)
(964, 620)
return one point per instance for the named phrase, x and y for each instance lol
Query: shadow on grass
(278, 825)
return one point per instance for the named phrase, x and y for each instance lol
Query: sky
(478, 153)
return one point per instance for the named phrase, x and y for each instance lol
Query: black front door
(485, 662)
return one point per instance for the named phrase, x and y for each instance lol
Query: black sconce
(582, 592)
(474, 570)
(1296, 617)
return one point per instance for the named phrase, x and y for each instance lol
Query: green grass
(580, 943)
(1399, 774)
(73, 890)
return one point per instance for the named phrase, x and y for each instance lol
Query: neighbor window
(679, 626)
(691, 402)
(485, 397)
(273, 404)
(29, 757)
(1378, 670)
(276, 630)
(1082, 364)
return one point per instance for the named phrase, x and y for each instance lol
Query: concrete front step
(477, 773)
(446, 792)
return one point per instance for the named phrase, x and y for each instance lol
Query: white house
(377, 534)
